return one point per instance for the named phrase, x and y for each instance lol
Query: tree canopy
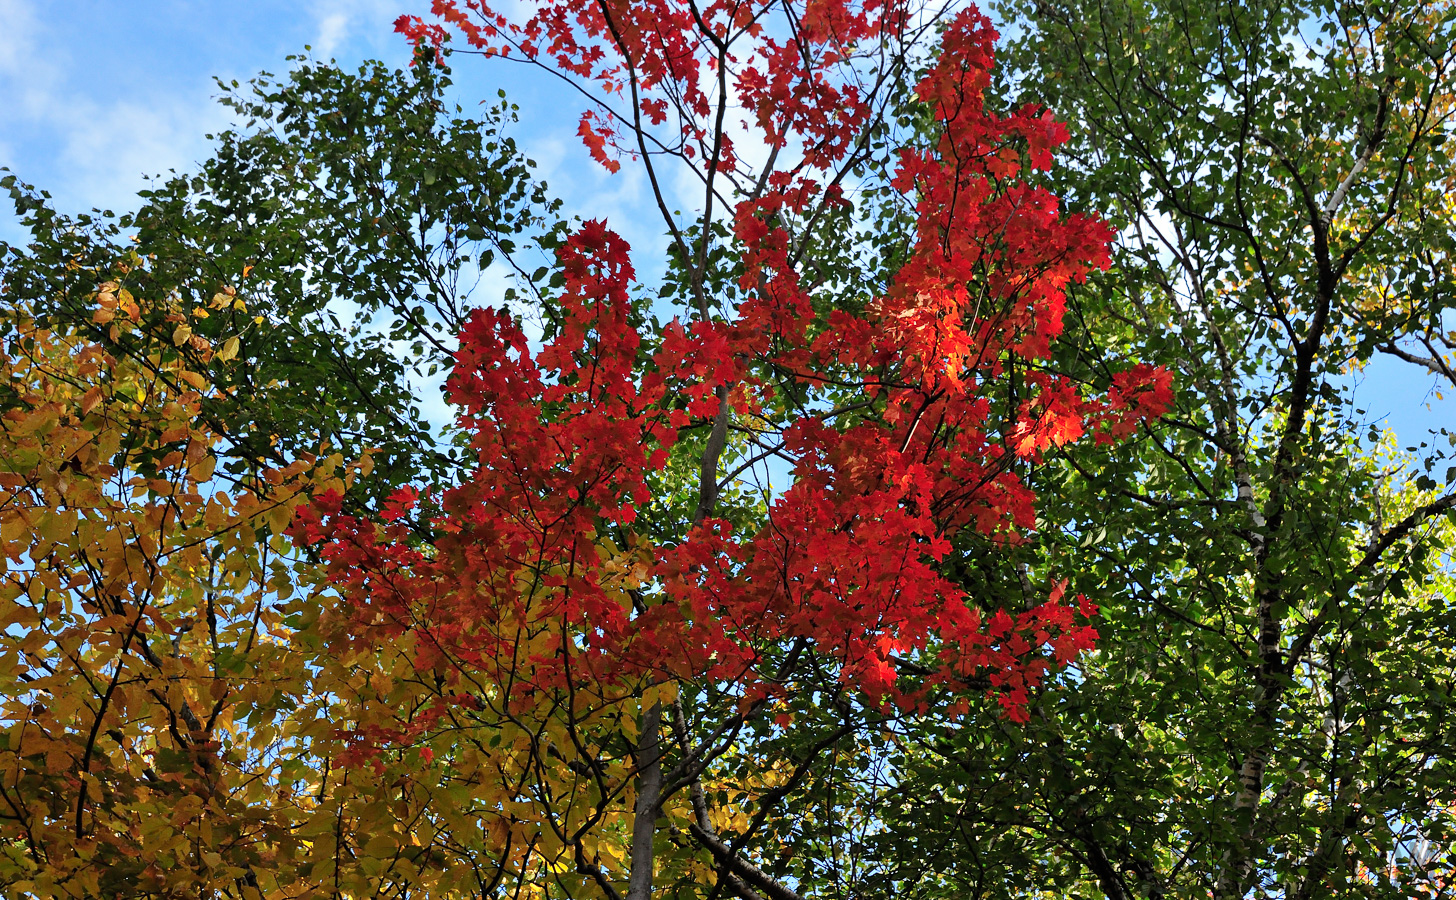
(977, 504)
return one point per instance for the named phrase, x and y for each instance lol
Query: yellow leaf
(55, 526)
(203, 468)
(12, 528)
(39, 423)
(183, 332)
(92, 398)
(216, 514)
(229, 349)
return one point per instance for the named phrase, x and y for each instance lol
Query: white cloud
(331, 32)
(86, 124)
(113, 150)
(25, 75)
(17, 22)
(344, 22)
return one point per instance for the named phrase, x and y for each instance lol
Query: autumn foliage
(563, 609)
(135, 608)
(510, 679)
(567, 436)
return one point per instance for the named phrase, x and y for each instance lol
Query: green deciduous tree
(1269, 711)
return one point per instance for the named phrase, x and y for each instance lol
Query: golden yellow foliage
(138, 595)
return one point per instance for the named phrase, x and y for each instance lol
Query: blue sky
(98, 94)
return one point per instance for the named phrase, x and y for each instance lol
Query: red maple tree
(904, 422)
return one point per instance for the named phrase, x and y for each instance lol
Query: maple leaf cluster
(666, 56)
(523, 586)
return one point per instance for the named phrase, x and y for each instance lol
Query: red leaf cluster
(666, 55)
(542, 581)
